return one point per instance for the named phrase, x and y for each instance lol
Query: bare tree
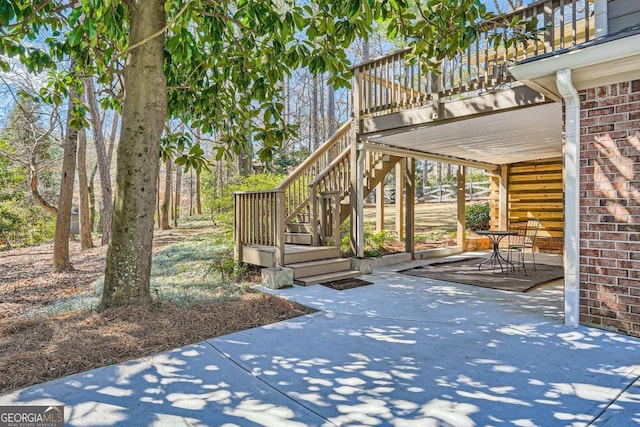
(31, 140)
(103, 160)
(86, 242)
(61, 261)
(178, 197)
(167, 196)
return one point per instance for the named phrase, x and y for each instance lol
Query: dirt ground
(38, 348)
(429, 217)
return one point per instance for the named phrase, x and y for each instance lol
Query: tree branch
(160, 32)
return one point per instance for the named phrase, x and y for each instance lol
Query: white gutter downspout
(571, 197)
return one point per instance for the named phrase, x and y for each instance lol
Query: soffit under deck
(525, 134)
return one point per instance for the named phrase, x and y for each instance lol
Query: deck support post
(400, 200)
(279, 229)
(380, 206)
(461, 197)
(410, 198)
(356, 191)
(357, 220)
(503, 197)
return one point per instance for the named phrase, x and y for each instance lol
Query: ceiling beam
(421, 155)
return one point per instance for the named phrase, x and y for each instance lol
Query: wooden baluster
(587, 19)
(549, 27)
(562, 22)
(237, 232)
(396, 83)
(260, 227)
(478, 69)
(574, 20)
(252, 209)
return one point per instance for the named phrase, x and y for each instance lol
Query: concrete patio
(405, 351)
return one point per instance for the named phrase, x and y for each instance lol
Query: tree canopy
(215, 65)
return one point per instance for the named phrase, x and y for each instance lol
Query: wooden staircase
(322, 264)
(297, 225)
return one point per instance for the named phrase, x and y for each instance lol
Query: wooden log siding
(391, 83)
(535, 190)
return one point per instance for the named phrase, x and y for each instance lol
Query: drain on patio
(341, 285)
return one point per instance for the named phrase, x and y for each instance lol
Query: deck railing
(394, 83)
(261, 217)
(259, 220)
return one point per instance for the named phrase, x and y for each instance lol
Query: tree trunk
(127, 275)
(365, 50)
(35, 192)
(92, 196)
(425, 177)
(86, 242)
(323, 123)
(166, 201)
(61, 261)
(158, 212)
(198, 195)
(331, 110)
(314, 114)
(103, 160)
(112, 138)
(191, 192)
(178, 197)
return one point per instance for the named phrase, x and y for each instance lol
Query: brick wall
(610, 207)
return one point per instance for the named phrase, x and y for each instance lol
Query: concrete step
(297, 238)
(324, 278)
(324, 266)
(297, 254)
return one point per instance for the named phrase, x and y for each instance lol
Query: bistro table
(496, 257)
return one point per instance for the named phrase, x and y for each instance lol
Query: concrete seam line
(634, 379)
(269, 385)
(442, 322)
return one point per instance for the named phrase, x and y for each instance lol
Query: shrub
(476, 216)
(219, 201)
(374, 241)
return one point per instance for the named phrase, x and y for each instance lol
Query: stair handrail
(315, 192)
(309, 161)
(296, 185)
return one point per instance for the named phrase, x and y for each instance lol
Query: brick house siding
(610, 207)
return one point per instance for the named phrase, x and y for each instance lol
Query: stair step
(297, 254)
(299, 227)
(324, 278)
(324, 266)
(298, 238)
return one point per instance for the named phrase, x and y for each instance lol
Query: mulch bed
(344, 284)
(38, 349)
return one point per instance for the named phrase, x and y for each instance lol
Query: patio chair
(516, 243)
(533, 225)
